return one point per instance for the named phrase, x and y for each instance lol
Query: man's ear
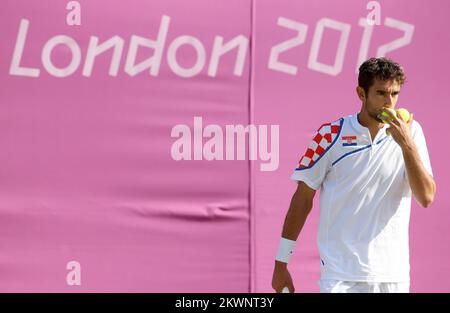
(361, 93)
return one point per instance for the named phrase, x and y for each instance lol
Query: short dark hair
(379, 68)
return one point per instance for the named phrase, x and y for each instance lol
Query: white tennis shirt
(365, 200)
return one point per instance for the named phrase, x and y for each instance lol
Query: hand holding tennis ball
(400, 131)
(402, 113)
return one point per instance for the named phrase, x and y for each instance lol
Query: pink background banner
(86, 169)
(329, 41)
(91, 118)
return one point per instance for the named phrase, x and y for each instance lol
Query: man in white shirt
(367, 167)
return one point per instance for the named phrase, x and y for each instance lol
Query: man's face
(382, 94)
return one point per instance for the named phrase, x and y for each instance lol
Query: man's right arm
(301, 205)
(310, 174)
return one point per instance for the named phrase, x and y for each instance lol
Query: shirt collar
(355, 123)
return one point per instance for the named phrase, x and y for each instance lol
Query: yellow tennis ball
(404, 114)
(401, 113)
(385, 114)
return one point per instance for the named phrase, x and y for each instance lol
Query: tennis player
(367, 167)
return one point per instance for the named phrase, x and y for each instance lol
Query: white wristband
(285, 250)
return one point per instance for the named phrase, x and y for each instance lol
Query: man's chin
(377, 119)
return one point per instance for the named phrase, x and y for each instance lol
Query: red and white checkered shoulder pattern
(322, 140)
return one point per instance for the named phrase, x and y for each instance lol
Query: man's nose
(389, 101)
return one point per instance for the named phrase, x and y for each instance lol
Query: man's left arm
(421, 182)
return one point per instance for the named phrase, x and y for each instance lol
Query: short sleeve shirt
(365, 200)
